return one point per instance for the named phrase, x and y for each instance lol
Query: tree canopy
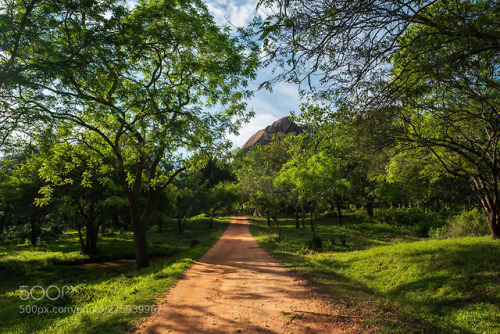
(422, 73)
(139, 87)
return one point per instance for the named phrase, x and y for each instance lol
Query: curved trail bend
(236, 287)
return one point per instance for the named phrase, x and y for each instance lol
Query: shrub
(418, 220)
(19, 232)
(22, 233)
(361, 214)
(431, 222)
(438, 232)
(270, 239)
(314, 244)
(49, 236)
(468, 223)
(317, 243)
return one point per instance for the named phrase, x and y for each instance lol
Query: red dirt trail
(236, 287)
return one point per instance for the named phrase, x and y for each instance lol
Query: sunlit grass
(114, 297)
(403, 285)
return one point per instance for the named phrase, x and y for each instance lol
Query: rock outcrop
(262, 137)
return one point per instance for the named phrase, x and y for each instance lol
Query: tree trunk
(212, 219)
(80, 236)
(491, 205)
(277, 227)
(3, 220)
(89, 233)
(268, 219)
(339, 213)
(313, 232)
(303, 215)
(179, 224)
(92, 236)
(141, 248)
(36, 226)
(297, 225)
(139, 229)
(369, 206)
(494, 222)
(89, 230)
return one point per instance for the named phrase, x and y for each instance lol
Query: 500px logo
(52, 292)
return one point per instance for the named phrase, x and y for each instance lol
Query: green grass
(398, 283)
(122, 292)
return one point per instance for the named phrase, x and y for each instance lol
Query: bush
(317, 243)
(468, 223)
(49, 236)
(19, 232)
(418, 220)
(438, 232)
(22, 233)
(270, 239)
(431, 222)
(314, 244)
(361, 214)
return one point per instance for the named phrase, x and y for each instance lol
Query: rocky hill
(262, 137)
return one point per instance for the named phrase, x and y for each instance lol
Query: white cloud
(238, 13)
(131, 4)
(217, 12)
(241, 15)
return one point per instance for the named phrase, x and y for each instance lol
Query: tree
(184, 203)
(256, 173)
(164, 206)
(7, 188)
(349, 44)
(315, 177)
(141, 91)
(414, 179)
(223, 195)
(191, 197)
(431, 67)
(215, 172)
(25, 184)
(295, 176)
(451, 112)
(30, 49)
(79, 187)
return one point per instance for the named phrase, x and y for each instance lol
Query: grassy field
(397, 282)
(99, 297)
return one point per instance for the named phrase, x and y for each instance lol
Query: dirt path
(236, 287)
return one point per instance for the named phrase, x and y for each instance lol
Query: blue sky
(268, 107)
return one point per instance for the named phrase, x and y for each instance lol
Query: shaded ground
(119, 263)
(237, 287)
